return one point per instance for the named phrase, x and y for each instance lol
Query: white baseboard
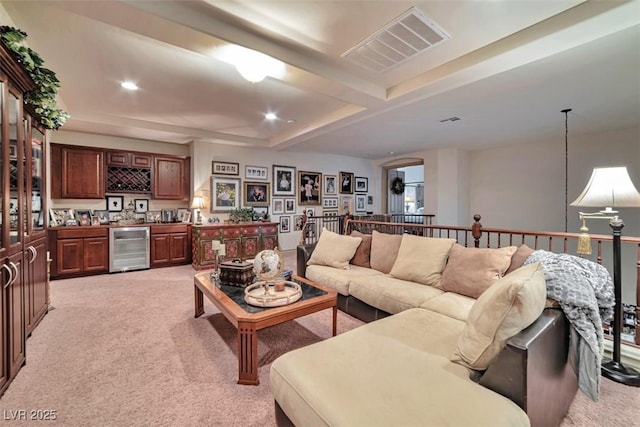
(629, 356)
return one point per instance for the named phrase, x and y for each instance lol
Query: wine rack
(128, 180)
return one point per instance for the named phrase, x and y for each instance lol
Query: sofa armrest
(304, 253)
(534, 371)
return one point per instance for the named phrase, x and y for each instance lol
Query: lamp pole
(613, 369)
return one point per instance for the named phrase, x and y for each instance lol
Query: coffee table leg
(199, 301)
(335, 318)
(247, 355)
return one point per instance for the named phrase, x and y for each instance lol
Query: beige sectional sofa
(459, 341)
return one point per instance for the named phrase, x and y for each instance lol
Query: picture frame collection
(287, 190)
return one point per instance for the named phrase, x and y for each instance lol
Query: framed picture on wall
(142, 205)
(256, 172)
(278, 206)
(285, 224)
(330, 184)
(225, 194)
(289, 205)
(284, 180)
(309, 188)
(330, 202)
(257, 193)
(346, 182)
(225, 168)
(346, 205)
(297, 219)
(114, 203)
(362, 184)
(361, 202)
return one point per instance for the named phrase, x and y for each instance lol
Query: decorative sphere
(267, 264)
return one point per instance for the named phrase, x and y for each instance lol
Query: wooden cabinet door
(171, 178)
(15, 305)
(36, 286)
(96, 254)
(70, 256)
(160, 250)
(81, 173)
(5, 275)
(179, 244)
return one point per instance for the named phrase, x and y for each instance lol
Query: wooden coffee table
(249, 319)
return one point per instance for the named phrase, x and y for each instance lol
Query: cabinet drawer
(231, 232)
(140, 161)
(270, 229)
(166, 229)
(117, 158)
(79, 233)
(250, 230)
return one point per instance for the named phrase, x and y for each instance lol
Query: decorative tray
(255, 294)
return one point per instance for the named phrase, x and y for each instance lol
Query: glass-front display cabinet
(23, 238)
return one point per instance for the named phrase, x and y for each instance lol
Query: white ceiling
(507, 71)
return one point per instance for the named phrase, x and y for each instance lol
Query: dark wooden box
(236, 273)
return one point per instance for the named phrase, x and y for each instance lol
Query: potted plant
(241, 215)
(43, 97)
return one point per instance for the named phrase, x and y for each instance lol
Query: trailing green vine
(43, 97)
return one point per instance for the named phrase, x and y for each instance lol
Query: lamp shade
(197, 202)
(609, 187)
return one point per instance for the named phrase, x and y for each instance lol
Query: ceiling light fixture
(129, 85)
(270, 116)
(252, 66)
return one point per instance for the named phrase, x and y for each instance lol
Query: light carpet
(125, 349)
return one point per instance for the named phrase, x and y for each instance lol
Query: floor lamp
(610, 188)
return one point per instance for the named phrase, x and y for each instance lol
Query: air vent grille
(403, 38)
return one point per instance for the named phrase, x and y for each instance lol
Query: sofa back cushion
(384, 250)
(421, 259)
(334, 250)
(506, 308)
(470, 271)
(362, 256)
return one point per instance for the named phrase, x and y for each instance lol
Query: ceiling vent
(404, 37)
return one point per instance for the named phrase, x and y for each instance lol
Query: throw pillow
(384, 250)
(334, 250)
(421, 259)
(362, 256)
(519, 257)
(470, 271)
(506, 308)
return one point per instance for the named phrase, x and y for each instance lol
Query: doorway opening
(405, 189)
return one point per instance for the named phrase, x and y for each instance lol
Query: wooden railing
(559, 242)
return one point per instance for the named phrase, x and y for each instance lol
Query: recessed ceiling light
(129, 85)
(291, 121)
(270, 116)
(392, 152)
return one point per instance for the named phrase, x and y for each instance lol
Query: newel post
(476, 230)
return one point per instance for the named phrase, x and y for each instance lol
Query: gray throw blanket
(585, 292)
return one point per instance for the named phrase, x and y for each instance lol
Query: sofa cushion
(384, 250)
(421, 259)
(363, 253)
(390, 294)
(450, 304)
(391, 372)
(506, 308)
(519, 257)
(338, 279)
(334, 250)
(470, 271)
